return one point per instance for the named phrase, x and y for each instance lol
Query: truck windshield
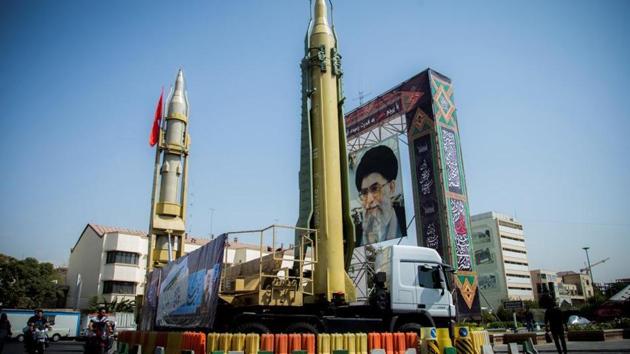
(429, 277)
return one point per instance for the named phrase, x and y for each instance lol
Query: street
(619, 346)
(59, 347)
(613, 346)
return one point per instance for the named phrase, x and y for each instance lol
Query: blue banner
(189, 288)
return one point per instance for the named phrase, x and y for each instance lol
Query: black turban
(379, 159)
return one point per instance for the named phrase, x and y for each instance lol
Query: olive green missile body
(168, 202)
(324, 198)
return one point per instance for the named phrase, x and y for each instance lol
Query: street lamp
(588, 261)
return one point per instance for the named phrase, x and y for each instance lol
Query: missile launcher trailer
(273, 289)
(266, 294)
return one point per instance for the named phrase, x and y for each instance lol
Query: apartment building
(501, 259)
(549, 282)
(583, 285)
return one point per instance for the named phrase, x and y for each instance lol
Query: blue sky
(541, 91)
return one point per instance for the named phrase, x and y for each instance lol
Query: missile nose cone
(321, 14)
(179, 82)
(321, 17)
(179, 103)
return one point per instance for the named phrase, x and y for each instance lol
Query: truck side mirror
(447, 268)
(443, 286)
(437, 279)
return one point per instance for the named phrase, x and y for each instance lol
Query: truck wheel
(56, 337)
(410, 327)
(302, 327)
(252, 327)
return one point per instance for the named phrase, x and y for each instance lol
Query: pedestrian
(555, 322)
(5, 330)
(529, 320)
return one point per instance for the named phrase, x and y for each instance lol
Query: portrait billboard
(488, 281)
(188, 288)
(484, 256)
(482, 236)
(377, 203)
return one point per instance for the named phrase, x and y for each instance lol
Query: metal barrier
(431, 340)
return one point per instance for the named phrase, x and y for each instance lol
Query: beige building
(545, 281)
(501, 259)
(549, 282)
(582, 283)
(568, 288)
(110, 262)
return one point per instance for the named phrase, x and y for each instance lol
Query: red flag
(155, 131)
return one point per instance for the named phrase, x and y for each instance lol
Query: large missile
(168, 212)
(324, 198)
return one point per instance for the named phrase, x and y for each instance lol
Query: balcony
(119, 297)
(122, 272)
(128, 243)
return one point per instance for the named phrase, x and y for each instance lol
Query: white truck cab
(416, 281)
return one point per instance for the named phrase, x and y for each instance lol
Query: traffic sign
(513, 305)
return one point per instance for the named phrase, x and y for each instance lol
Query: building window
(512, 225)
(516, 275)
(429, 277)
(122, 257)
(513, 238)
(119, 287)
(513, 250)
(516, 263)
(518, 288)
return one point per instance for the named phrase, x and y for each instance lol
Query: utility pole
(588, 261)
(211, 217)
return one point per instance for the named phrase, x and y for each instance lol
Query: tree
(503, 314)
(115, 305)
(592, 304)
(531, 304)
(27, 283)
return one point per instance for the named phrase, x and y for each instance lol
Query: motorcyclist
(101, 322)
(101, 328)
(37, 321)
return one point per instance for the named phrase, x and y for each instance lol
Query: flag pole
(158, 150)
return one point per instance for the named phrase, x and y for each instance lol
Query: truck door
(404, 291)
(431, 292)
(428, 291)
(418, 286)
